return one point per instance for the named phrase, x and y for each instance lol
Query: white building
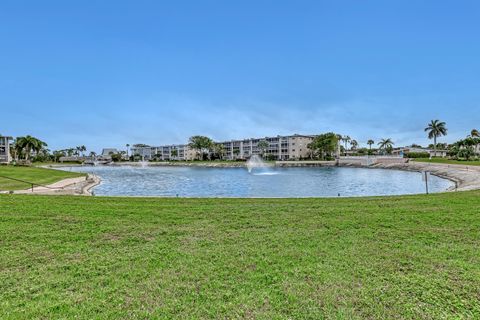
(5, 149)
(292, 147)
(280, 147)
(166, 152)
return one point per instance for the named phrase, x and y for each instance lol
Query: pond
(264, 182)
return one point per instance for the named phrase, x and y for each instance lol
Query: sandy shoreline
(465, 177)
(70, 186)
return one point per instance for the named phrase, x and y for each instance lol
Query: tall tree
(218, 150)
(15, 150)
(386, 145)
(346, 140)
(29, 144)
(324, 145)
(354, 144)
(435, 129)
(475, 134)
(370, 143)
(201, 144)
(263, 146)
(236, 152)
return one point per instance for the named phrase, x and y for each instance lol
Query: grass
(31, 174)
(448, 161)
(52, 163)
(408, 257)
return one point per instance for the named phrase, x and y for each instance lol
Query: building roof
(107, 151)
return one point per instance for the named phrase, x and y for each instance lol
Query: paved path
(72, 186)
(465, 177)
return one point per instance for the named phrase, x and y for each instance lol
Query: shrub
(116, 157)
(415, 155)
(270, 157)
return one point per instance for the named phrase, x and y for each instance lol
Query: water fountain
(256, 162)
(143, 163)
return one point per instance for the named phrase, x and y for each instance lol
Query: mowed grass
(449, 161)
(411, 257)
(40, 176)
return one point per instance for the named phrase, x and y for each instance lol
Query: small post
(426, 181)
(32, 187)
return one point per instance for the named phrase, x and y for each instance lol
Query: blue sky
(107, 73)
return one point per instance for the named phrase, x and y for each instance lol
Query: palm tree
(346, 139)
(15, 150)
(370, 143)
(436, 128)
(57, 154)
(475, 133)
(201, 144)
(386, 144)
(339, 144)
(29, 144)
(354, 144)
(174, 153)
(93, 154)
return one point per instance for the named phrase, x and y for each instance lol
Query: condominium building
(167, 152)
(292, 147)
(5, 149)
(279, 148)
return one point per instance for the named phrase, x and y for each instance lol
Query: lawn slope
(449, 161)
(412, 257)
(35, 175)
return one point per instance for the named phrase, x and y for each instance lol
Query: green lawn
(51, 163)
(410, 257)
(448, 161)
(31, 174)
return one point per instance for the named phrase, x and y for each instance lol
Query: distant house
(107, 153)
(405, 150)
(5, 149)
(439, 153)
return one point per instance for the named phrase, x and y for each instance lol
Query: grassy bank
(412, 257)
(448, 161)
(51, 163)
(31, 174)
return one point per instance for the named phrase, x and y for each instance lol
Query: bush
(270, 157)
(415, 155)
(116, 157)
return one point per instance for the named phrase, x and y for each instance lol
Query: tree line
(325, 146)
